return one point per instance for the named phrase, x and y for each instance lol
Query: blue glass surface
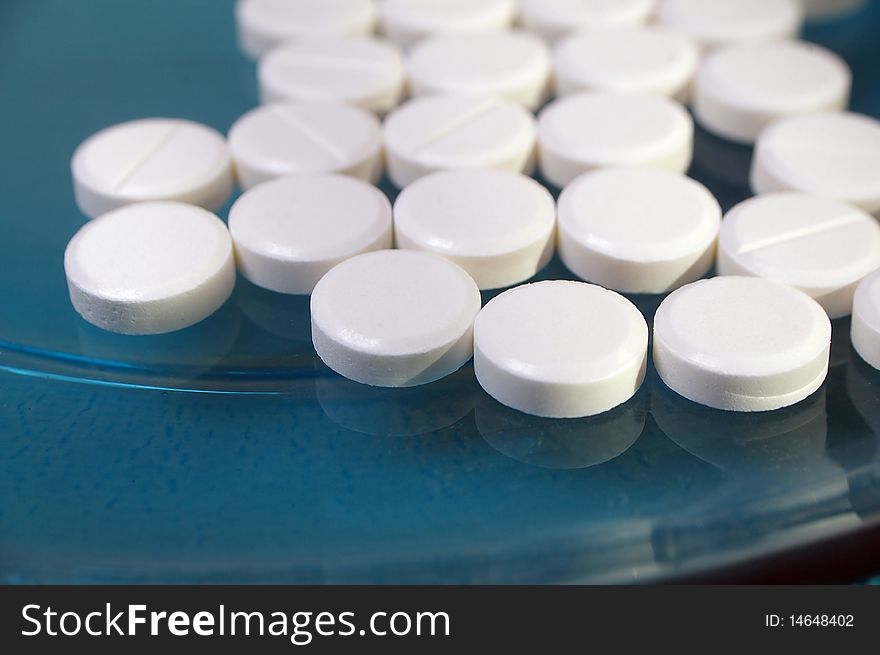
(229, 453)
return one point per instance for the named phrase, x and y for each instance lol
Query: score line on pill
(360, 71)
(498, 226)
(560, 349)
(150, 268)
(395, 318)
(440, 132)
(290, 231)
(301, 137)
(741, 343)
(821, 246)
(153, 159)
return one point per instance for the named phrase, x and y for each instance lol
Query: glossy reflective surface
(228, 453)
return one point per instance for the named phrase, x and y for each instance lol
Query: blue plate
(229, 453)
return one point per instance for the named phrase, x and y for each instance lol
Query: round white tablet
(722, 22)
(638, 230)
(498, 226)
(151, 159)
(551, 19)
(741, 89)
(150, 268)
(834, 154)
(440, 132)
(407, 21)
(513, 65)
(264, 24)
(290, 231)
(395, 318)
(639, 59)
(305, 137)
(866, 320)
(821, 246)
(359, 71)
(741, 343)
(586, 131)
(560, 349)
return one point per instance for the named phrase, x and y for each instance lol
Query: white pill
(290, 231)
(638, 230)
(407, 21)
(866, 320)
(586, 131)
(513, 65)
(264, 24)
(150, 268)
(741, 343)
(151, 159)
(295, 138)
(637, 60)
(560, 349)
(498, 226)
(395, 318)
(834, 154)
(552, 19)
(723, 22)
(360, 71)
(440, 132)
(821, 246)
(741, 89)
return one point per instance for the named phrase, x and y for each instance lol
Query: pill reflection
(281, 315)
(781, 477)
(560, 443)
(162, 359)
(403, 412)
(739, 442)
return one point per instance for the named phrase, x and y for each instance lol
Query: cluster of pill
(444, 103)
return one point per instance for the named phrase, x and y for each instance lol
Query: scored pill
(360, 71)
(151, 159)
(821, 246)
(305, 137)
(439, 132)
